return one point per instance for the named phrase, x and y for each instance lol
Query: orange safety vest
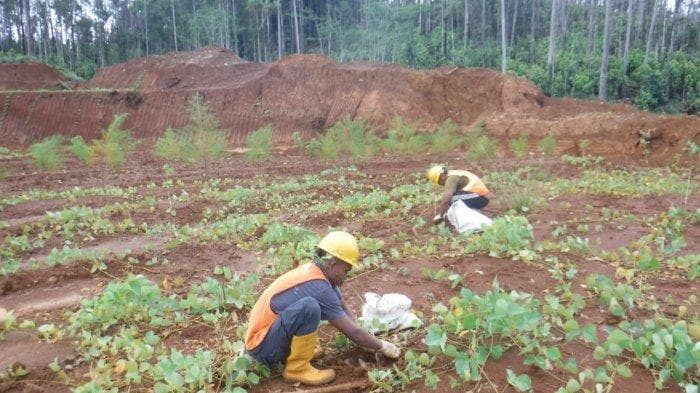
(475, 184)
(261, 316)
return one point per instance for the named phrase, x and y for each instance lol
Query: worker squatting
(283, 324)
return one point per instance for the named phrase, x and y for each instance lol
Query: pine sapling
(46, 154)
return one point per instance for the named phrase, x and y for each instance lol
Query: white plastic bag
(387, 312)
(464, 219)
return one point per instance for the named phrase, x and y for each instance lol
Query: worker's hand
(437, 219)
(390, 350)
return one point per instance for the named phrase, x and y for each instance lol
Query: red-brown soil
(42, 295)
(309, 93)
(30, 76)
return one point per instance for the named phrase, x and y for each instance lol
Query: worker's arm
(444, 203)
(348, 311)
(357, 334)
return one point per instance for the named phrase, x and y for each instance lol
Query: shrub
(548, 145)
(79, 148)
(481, 146)
(446, 138)
(259, 143)
(519, 146)
(115, 145)
(169, 147)
(345, 137)
(200, 141)
(298, 142)
(208, 139)
(404, 138)
(46, 154)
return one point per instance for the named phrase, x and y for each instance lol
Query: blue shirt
(327, 296)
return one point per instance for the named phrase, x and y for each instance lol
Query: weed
(259, 144)
(519, 145)
(46, 154)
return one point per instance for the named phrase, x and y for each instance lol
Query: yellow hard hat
(341, 245)
(433, 173)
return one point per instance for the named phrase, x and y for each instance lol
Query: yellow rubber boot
(318, 352)
(299, 368)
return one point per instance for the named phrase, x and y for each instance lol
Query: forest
(643, 52)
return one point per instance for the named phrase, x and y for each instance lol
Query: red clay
(308, 93)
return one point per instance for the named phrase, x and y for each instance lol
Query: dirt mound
(308, 93)
(29, 76)
(205, 68)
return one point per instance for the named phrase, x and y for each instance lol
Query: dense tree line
(644, 51)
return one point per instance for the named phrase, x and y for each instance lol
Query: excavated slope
(308, 93)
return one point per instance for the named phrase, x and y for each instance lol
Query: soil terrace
(309, 93)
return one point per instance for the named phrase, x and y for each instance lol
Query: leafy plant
(519, 145)
(46, 154)
(259, 144)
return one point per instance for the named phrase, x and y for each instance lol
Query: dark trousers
(472, 200)
(299, 319)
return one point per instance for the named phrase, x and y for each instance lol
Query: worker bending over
(284, 322)
(459, 185)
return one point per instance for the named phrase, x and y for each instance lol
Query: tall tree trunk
(533, 29)
(227, 26)
(603, 81)
(172, 8)
(235, 27)
(674, 33)
(503, 36)
(466, 23)
(28, 30)
(483, 22)
(280, 41)
(145, 18)
(628, 34)
(650, 35)
(46, 32)
(297, 41)
(661, 45)
(551, 55)
(640, 20)
(513, 25)
(592, 7)
(443, 41)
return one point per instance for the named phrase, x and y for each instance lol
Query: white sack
(464, 219)
(387, 312)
